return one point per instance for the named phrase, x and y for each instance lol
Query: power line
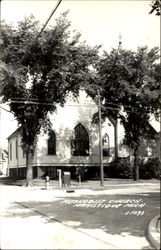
(48, 20)
(72, 105)
(42, 29)
(6, 110)
(37, 101)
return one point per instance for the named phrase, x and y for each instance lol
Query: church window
(80, 141)
(105, 145)
(52, 143)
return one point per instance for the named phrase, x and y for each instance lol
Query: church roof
(14, 133)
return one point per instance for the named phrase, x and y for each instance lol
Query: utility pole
(160, 92)
(100, 140)
(116, 139)
(0, 128)
(160, 139)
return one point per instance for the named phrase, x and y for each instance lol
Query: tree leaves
(55, 64)
(156, 7)
(130, 80)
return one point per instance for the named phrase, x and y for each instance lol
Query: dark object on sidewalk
(70, 191)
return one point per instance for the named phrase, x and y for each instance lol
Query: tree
(156, 7)
(128, 81)
(53, 65)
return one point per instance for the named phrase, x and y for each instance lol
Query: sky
(99, 22)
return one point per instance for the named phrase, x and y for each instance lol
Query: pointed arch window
(80, 141)
(105, 145)
(52, 143)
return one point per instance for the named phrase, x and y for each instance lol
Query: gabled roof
(150, 131)
(5, 151)
(155, 124)
(14, 133)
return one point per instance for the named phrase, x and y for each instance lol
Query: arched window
(52, 143)
(80, 141)
(105, 145)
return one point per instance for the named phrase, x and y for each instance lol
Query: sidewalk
(94, 184)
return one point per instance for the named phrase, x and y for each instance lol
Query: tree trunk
(136, 167)
(80, 179)
(29, 170)
(116, 140)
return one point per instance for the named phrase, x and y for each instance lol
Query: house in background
(73, 142)
(3, 162)
(149, 147)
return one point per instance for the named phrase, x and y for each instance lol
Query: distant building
(3, 162)
(74, 142)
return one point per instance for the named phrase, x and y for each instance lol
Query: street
(112, 218)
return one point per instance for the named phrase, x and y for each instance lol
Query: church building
(73, 142)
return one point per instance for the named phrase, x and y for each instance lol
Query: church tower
(120, 43)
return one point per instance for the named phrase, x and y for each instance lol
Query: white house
(72, 142)
(3, 162)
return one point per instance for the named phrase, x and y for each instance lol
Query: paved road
(113, 218)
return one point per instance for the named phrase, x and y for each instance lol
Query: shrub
(80, 172)
(120, 169)
(150, 169)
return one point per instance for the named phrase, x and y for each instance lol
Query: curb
(154, 232)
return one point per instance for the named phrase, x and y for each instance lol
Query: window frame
(80, 141)
(51, 149)
(106, 148)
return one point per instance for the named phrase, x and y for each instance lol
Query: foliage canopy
(37, 74)
(53, 66)
(156, 7)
